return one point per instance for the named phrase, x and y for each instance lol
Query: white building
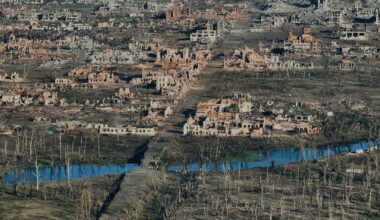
(209, 36)
(353, 35)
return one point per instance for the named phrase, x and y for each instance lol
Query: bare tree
(85, 205)
(60, 145)
(5, 151)
(98, 136)
(68, 170)
(37, 174)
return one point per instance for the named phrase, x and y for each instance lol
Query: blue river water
(47, 174)
(279, 156)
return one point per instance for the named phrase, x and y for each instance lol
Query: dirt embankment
(135, 191)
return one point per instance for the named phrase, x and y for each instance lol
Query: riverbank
(74, 151)
(341, 187)
(250, 160)
(336, 187)
(190, 149)
(276, 157)
(143, 188)
(75, 199)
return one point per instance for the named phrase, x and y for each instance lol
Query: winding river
(279, 156)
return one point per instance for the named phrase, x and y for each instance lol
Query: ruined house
(347, 65)
(49, 98)
(129, 130)
(125, 93)
(172, 58)
(299, 43)
(102, 77)
(13, 77)
(246, 58)
(109, 56)
(353, 35)
(240, 117)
